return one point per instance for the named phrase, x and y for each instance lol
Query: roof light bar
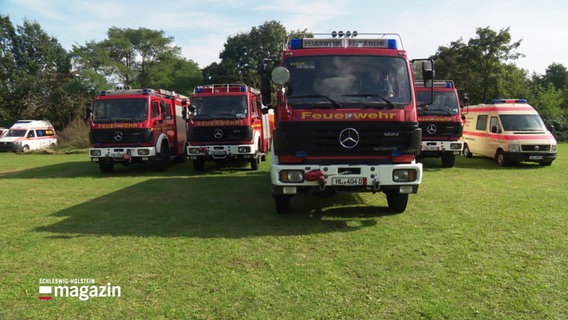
(494, 101)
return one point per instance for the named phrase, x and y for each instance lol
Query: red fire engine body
(228, 122)
(345, 118)
(439, 115)
(137, 125)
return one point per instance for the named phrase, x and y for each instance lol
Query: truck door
(495, 140)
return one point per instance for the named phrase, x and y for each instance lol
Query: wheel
(397, 201)
(164, 159)
(282, 203)
(466, 152)
(500, 158)
(448, 160)
(25, 148)
(106, 167)
(254, 163)
(198, 165)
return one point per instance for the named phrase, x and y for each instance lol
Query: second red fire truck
(439, 115)
(228, 122)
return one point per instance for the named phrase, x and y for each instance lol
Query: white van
(26, 135)
(509, 130)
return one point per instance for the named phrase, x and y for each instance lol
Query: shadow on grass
(207, 207)
(476, 163)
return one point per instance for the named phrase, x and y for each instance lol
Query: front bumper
(348, 177)
(438, 147)
(122, 154)
(221, 152)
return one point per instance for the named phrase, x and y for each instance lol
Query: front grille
(323, 138)
(536, 147)
(120, 136)
(220, 133)
(441, 129)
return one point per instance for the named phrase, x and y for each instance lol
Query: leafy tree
(243, 52)
(34, 67)
(480, 66)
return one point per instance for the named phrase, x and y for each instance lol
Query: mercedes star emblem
(349, 138)
(218, 133)
(431, 129)
(117, 136)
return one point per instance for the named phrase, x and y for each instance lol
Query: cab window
(155, 109)
(494, 125)
(481, 122)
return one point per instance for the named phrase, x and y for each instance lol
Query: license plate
(536, 157)
(431, 148)
(347, 181)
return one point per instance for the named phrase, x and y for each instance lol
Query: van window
(522, 122)
(494, 126)
(481, 122)
(45, 133)
(31, 134)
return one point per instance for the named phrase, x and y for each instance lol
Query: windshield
(348, 82)
(443, 103)
(120, 110)
(15, 133)
(522, 122)
(219, 107)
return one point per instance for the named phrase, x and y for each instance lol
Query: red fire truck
(228, 122)
(345, 118)
(439, 115)
(137, 125)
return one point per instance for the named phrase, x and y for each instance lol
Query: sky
(201, 28)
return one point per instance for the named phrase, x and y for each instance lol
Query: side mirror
(88, 110)
(184, 113)
(428, 73)
(465, 99)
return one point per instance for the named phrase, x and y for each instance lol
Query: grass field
(476, 242)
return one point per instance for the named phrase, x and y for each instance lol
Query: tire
(254, 162)
(500, 158)
(25, 148)
(164, 159)
(396, 201)
(282, 203)
(466, 152)
(106, 167)
(448, 160)
(198, 165)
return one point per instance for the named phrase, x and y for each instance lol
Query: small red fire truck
(345, 118)
(439, 116)
(228, 122)
(137, 125)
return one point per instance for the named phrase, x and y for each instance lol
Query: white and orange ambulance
(509, 130)
(26, 135)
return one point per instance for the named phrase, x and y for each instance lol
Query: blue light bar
(147, 91)
(199, 89)
(391, 44)
(449, 84)
(494, 101)
(243, 88)
(103, 93)
(296, 44)
(301, 154)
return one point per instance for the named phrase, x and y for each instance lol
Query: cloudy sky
(201, 28)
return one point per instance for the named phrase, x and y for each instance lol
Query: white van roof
(25, 124)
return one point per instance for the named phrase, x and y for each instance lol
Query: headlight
(291, 176)
(455, 146)
(96, 153)
(404, 175)
(193, 150)
(143, 152)
(244, 149)
(514, 148)
(553, 148)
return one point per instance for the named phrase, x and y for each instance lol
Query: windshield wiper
(201, 117)
(372, 95)
(321, 96)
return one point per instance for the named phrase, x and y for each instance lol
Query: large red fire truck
(345, 118)
(137, 125)
(439, 116)
(228, 122)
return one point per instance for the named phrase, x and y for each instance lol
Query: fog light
(404, 175)
(96, 153)
(143, 152)
(291, 176)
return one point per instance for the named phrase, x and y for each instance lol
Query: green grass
(476, 242)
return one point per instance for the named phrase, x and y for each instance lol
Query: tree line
(40, 79)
